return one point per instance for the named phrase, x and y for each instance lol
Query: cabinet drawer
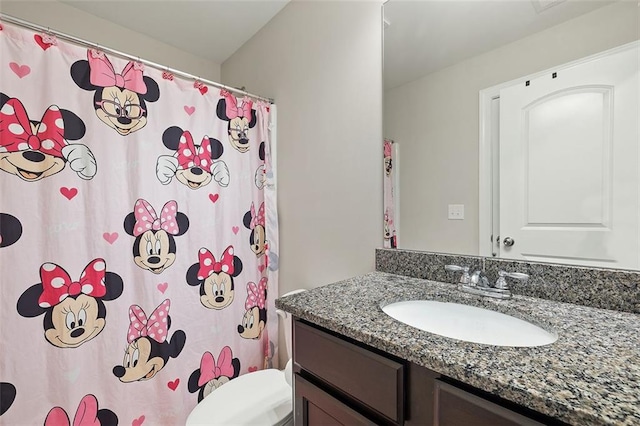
(454, 407)
(373, 380)
(315, 407)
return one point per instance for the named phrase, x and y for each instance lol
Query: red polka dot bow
(256, 294)
(234, 110)
(147, 219)
(209, 265)
(257, 219)
(210, 370)
(16, 133)
(190, 155)
(57, 284)
(154, 327)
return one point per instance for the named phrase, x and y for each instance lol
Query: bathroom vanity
(364, 386)
(354, 364)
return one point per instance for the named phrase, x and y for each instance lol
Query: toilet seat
(260, 398)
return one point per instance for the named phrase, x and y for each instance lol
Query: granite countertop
(590, 375)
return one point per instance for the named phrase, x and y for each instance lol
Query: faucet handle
(502, 282)
(465, 278)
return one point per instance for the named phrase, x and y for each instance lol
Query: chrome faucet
(478, 283)
(465, 278)
(479, 279)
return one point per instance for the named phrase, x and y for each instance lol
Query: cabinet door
(315, 407)
(455, 407)
(375, 381)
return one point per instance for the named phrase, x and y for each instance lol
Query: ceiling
(211, 29)
(425, 36)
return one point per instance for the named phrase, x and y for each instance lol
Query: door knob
(508, 241)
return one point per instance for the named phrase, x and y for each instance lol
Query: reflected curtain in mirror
(390, 165)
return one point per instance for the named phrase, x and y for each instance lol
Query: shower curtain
(389, 196)
(138, 237)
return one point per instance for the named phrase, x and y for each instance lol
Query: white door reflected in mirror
(561, 198)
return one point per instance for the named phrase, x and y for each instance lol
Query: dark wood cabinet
(313, 406)
(338, 381)
(455, 407)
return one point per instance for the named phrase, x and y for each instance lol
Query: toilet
(261, 398)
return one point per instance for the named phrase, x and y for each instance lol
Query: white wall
(435, 121)
(321, 61)
(67, 19)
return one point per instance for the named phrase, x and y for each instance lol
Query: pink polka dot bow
(190, 155)
(16, 133)
(256, 294)
(209, 265)
(147, 219)
(234, 110)
(210, 370)
(257, 219)
(57, 284)
(154, 327)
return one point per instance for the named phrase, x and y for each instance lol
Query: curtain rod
(82, 42)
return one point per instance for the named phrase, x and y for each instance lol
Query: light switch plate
(456, 212)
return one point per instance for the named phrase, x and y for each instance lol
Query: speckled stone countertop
(590, 375)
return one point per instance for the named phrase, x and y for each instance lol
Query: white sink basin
(469, 323)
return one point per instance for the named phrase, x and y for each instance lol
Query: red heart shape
(20, 70)
(252, 369)
(43, 44)
(110, 238)
(189, 109)
(203, 90)
(235, 229)
(214, 197)
(173, 385)
(261, 268)
(69, 193)
(138, 421)
(163, 287)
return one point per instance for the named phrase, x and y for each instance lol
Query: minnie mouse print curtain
(390, 238)
(137, 258)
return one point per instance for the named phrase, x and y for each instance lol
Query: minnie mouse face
(74, 311)
(241, 118)
(211, 374)
(75, 321)
(193, 165)
(253, 323)
(154, 248)
(140, 362)
(388, 163)
(149, 348)
(387, 231)
(256, 222)
(215, 278)
(119, 99)
(255, 317)
(10, 229)
(34, 150)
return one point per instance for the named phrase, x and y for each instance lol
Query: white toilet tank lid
(260, 398)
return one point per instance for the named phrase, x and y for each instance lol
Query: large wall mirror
(515, 126)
